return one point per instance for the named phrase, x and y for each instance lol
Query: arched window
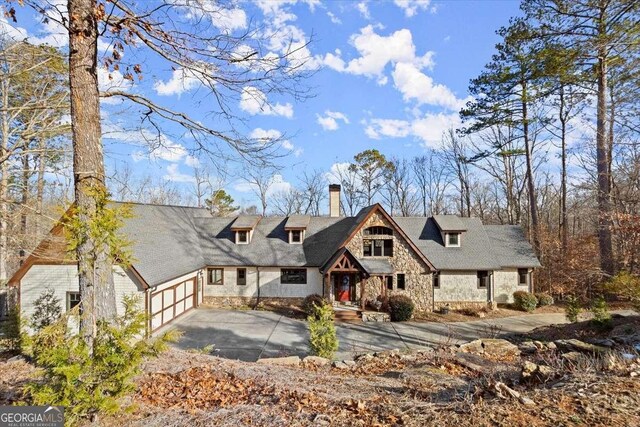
(378, 231)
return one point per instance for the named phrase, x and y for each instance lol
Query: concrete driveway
(250, 335)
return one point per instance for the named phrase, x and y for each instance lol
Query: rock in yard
(531, 371)
(499, 347)
(283, 361)
(572, 356)
(491, 347)
(364, 357)
(343, 364)
(602, 342)
(316, 360)
(551, 346)
(474, 346)
(528, 347)
(577, 345)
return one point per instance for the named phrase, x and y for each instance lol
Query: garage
(170, 303)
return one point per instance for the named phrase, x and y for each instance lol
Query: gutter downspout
(258, 286)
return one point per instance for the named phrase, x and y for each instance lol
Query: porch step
(348, 315)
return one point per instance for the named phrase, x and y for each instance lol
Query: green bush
(544, 299)
(525, 301)
(89, 382)
(626, 285)
(573, 309)
(400, 308)
(311, 302)
(600, 311)
(323, 339)
(47, 310)
(11, 335)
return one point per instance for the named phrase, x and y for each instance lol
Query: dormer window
(243, 227)
(452, 240)
(296, 236)
(242, 237)
(295, 226)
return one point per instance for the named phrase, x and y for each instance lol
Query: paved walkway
(250, 335)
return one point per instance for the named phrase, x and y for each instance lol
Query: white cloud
(411, 7)
(377, 51)
(192, 161)
(428, 128)
(174, 175)
(277, 184)
(330, 120)
(109, 81)
(265, 135)
(334, 18)
(9, 31)
(415, 85)
(254, 101)
(363, 8)
(224, 17)
(181, 81)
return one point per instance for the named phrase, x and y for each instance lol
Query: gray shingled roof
(475, 251)
(297, 222)
(450, 223)
(245, 221)
(375, 266)
(511, 246)
(170, 241)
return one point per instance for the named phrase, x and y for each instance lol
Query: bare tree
(350, 184)
(313, 191)
(399, 191)
(432, 182)
(456, 160)
(288, 202)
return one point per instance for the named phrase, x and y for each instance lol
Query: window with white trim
(73, 299)
(453, 240)
(242, 237)
(295, 236)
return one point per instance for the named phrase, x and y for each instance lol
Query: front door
(344, 287)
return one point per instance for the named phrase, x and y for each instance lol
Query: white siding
(63, 279)
(270, 285)
(230, 288)
(506, 283)
(460, 286)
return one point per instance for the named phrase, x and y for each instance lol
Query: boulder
(499, 347)
(528, 347)
(602, 342)
(316, 360)
(281, 361)
(339, 364)
(474, 346)
(573, 344)
(364, 357)
(532, 372)
(491, 347)
(572, 356)
(551, 346)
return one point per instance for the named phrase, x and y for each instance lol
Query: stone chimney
(334, 200)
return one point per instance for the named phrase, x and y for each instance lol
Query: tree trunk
(40, 187)
(533, 203)
(602, 157)
(24, 205)
(97, 292)
(563, 176)
(4, 183)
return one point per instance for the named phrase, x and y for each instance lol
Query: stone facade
(234, 301)
(418, 285)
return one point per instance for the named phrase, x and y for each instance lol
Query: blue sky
(392, 75)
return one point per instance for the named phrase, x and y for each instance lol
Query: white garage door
(170, 303)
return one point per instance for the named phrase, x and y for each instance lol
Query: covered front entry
(345, 279)
(344, 287)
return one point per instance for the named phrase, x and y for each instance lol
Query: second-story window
(296, 236)
(242, 236)
(453, 239)
(379, 247)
